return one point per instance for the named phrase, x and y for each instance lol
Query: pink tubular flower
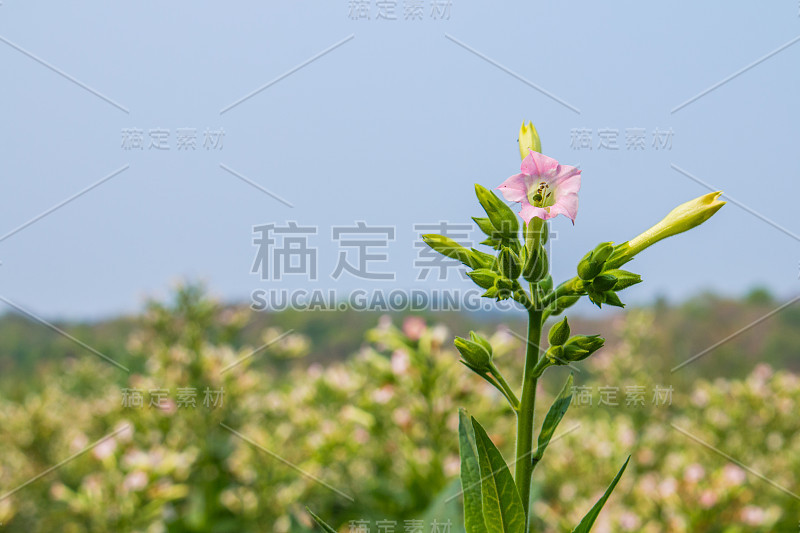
(544, 188)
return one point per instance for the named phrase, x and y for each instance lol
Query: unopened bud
(588, 269)
(483, 277)
(624, 278)
(580, 347)
(474, 354)
(536, 265)
(559, 333)
(604, 282)
(509, 264)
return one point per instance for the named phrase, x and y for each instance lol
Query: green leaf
(485, 226)
(588, 521)
(450, 248)
(320, 522)
(482, 258)
(502, 505)
(551, 421)
(470, 475)
(503, 219)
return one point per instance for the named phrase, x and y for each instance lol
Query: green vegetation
(367, 409)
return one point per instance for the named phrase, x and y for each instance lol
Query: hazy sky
(388, 122)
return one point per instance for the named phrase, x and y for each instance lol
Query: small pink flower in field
(708, 499)
(105, 449)
(134, 481)
(733, 475)
(753, 516)
(693, 473)
(414, 327)
(400, 362)
(545, 188)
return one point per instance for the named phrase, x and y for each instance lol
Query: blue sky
(391, 125)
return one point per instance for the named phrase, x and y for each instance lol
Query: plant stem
(524, 466)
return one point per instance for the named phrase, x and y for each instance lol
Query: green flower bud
(528, 140)
(474, 354)
(559, 333)
(483, 277)
(509, 264)
(555, 354)
(474, 337)
(602, 251)
(536, 265)
(624, 278)
(588, 269)
(504, 284)
(580, 347)
(604, 282)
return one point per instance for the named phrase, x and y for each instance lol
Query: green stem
(504, 387)
(524, 466)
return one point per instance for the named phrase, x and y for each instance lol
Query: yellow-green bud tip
(683, 218)
(528, 140)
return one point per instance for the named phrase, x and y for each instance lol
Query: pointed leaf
(320, 522)
(470, 475)
(503, 219)
(502, 505)
(588, 521)
(485, 226)
(450, 248)
(554, 416)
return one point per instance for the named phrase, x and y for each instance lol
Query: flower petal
(514, 189)
(567, 180)
(537, 164)
(566, 205)
(528, 212)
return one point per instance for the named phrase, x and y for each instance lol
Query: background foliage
(368, 404)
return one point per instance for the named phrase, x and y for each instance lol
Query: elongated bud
(474, 354)
(559, 333)
(528, 140)
(580, 347)
(483, 277)
(604, 282)
(602, 251)
(536, 265)
(474, 337)
(683, 218)
(624, 278)
(588, 269)
(509, 264)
